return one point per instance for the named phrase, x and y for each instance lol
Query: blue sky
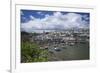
(38, 19)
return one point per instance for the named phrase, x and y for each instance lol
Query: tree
(31, 52)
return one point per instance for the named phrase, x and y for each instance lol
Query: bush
(31, 52)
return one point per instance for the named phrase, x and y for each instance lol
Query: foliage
(31, 52)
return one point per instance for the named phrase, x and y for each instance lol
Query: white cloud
(32, 17)
(40, 13)
(85, 17)
(21, 13)
(55, 21)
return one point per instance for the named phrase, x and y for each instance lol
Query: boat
(57, 49)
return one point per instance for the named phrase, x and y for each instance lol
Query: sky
(32, 20)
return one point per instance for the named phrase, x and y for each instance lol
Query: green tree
(31, 52)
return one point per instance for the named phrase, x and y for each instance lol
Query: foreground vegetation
(31, 52)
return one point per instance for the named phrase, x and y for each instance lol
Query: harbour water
(79, 51)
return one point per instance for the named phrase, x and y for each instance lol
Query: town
(60, 38)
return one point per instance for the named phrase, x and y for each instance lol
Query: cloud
(40, 13)
(56, 21)
(86, 17)
(32, 17)
(21, 13)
